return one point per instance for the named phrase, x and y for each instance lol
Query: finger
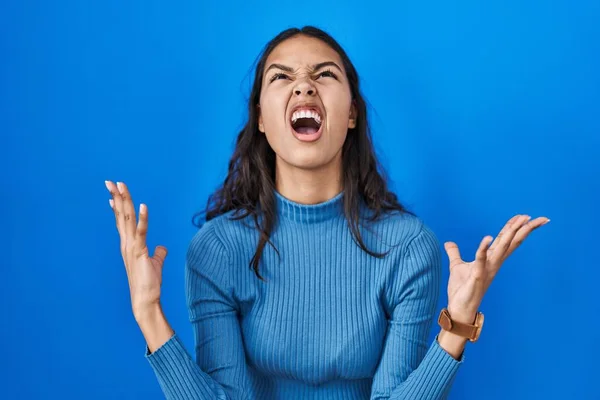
(128, 211)
(481, 254)
(111, 202)
(524, 231)
(142, 228)
(160, 253)
(116, 206)
(453, 253)
(502, 233)
(497, 253)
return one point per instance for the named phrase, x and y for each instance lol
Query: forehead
(301, 51)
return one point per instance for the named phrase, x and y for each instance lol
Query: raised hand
(469, 281)
(144, 273)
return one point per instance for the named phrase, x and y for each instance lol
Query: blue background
(481, 110)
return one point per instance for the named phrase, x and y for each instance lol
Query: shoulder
(415, 261)
(419, 251)
(220, 235)
(403, 231)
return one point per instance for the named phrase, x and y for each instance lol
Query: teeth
(306, 114)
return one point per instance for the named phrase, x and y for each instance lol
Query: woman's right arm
(220, 370)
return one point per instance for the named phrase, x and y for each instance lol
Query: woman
(308, 280)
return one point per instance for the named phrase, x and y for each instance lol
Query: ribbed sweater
(330, 322)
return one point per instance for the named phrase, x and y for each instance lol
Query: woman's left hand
(469, 281)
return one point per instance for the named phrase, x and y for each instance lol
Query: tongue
(306, 130)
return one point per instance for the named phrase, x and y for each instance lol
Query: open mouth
(306, 122)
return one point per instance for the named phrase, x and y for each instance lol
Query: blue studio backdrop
(480, 110)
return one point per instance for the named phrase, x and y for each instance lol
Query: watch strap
(469, 331)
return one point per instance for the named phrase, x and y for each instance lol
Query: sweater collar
(310, 213)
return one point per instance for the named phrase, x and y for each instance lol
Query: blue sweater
(331, 322)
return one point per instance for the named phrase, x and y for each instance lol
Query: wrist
(152, 322)
(155, 327)
(453, 344)
(147, 313)
(457, 328)
(462, 315)
(451, 337)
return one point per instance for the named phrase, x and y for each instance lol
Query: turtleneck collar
(310, 213)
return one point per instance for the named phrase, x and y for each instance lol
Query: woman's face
(305, 105)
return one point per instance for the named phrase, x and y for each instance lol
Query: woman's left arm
(408, 369)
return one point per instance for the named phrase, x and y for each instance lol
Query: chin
(309, 160)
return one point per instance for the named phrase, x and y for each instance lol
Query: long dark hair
(250, 183)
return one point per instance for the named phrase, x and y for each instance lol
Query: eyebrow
(314, 67)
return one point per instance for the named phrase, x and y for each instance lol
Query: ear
(261, 127)
(353, 115)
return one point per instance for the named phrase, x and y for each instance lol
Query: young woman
(309, 280)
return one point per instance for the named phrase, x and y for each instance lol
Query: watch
(468, 331)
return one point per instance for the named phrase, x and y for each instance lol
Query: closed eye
(278, 76)
(328, 73)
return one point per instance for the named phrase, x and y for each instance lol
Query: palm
(157, 264)
(146, 278)
(469, 281)
(461, 284)
(144, 273)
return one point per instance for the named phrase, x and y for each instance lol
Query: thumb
(160, 253)
(453, 253)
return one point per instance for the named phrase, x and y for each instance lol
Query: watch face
(479, 324)
(477, 333)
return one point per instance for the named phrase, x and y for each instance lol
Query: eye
(278, 76)
(328, 73)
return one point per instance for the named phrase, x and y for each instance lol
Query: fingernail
(106, 184)
(548, 220)
(142, 208)
(119, 187)
(111, 202)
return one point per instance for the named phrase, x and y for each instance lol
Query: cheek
(338, 114)
(273, 113)
(337, 100)
(273, 119)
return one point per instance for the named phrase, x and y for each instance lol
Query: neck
(309, 186)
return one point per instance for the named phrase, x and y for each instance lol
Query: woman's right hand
(144, 273)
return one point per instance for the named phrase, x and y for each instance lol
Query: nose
(304, 87)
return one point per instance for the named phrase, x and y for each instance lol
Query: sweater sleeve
(408, 368)
(220, 371)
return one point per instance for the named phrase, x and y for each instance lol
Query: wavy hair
(249, 186)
